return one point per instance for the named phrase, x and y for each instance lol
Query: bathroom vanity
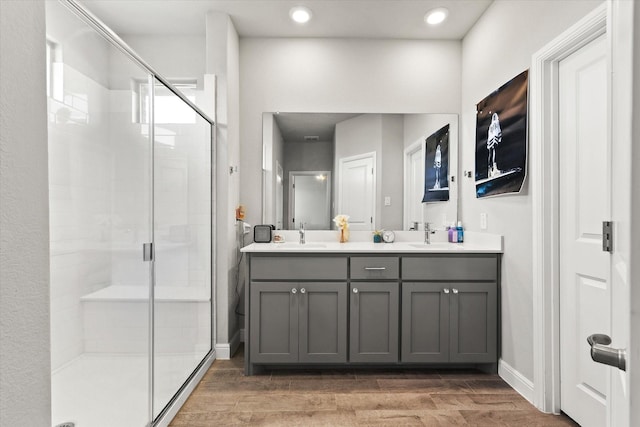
(398, 304)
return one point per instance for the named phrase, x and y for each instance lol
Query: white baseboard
(224, 351)
(516, 380)
(242, 335)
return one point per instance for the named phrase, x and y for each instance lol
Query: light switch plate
(387, 201)
(483, 221)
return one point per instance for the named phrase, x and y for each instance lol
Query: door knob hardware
(601, 353)
(303, 291)
(445, 290)
(294, 291)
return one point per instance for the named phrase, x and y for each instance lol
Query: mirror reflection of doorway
(413, 185)
(310, 200)
(279, 195)
(357, 190)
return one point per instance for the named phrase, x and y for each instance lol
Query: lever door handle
(601, 353)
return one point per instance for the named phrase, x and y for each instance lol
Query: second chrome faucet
(301, 231)
(428, 231)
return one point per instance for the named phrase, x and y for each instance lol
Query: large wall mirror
(386, 171)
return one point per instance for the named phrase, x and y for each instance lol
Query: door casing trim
(545, 196)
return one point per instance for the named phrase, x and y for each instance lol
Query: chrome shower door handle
(601, 353)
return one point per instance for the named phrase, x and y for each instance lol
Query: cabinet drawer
(450, 268)
(298, 268)
(372, 268)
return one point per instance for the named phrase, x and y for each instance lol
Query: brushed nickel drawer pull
(375, 268)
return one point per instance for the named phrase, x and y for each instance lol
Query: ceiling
(393, 19)
(295, 126)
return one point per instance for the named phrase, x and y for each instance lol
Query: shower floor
(98, 390)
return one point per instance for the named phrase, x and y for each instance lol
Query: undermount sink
(289, 245)
(433, 245)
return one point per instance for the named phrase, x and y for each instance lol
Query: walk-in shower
(130, 172)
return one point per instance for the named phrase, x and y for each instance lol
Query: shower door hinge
(147, 251)
(607, 236)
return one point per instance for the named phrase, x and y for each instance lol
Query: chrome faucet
(301, 231)
(427, 233)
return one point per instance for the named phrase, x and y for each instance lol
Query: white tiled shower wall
(79, 181)
(100, 204)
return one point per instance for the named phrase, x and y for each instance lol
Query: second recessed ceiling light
(300, 14)
(436, 16)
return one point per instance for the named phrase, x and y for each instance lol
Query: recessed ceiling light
(436, 16)
(300, 14)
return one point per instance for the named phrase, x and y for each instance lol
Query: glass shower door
(182, 241)
(100, 216)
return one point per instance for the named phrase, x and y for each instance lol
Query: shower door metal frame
(94, 22)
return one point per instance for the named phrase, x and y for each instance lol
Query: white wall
(175, 57)
(338, 75)
(497, 48)
(25, 374)
(222, 60)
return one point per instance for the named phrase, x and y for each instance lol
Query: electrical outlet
(387, 201)
(483, 221)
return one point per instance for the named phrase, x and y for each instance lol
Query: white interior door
(414, 185)
(585, 291)
(356, 191)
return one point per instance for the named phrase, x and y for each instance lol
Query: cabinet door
(425, 322)
(474, 327)
(322, 318)
(374, 322)
(274, 322)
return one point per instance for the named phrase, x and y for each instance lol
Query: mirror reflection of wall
(341, 145)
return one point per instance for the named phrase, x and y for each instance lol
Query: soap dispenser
(460, 232)
(453, 233)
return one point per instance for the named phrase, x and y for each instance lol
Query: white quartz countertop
(406, 242)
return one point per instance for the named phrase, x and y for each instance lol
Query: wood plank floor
(225, 397)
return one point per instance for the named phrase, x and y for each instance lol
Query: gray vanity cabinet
(298, 309)
(339, 309)
(473, 322)
(450, 309)
(374, 293)
(373, 322)
(274, 322)
(302, 322)
(322, 322)
(425, 322)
